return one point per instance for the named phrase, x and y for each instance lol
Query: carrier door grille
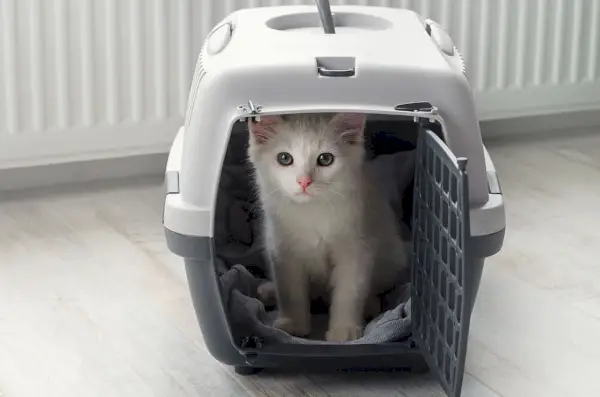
(439, 292)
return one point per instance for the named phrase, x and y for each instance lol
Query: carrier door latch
(422, 110)
(251, 109)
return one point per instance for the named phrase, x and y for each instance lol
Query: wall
(91, 79)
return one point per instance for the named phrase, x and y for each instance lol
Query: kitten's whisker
(338, 193)
(273, 191)
(331, 205)
(264, 199)
(345, 187)
(270, 194)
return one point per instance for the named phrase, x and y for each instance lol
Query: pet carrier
(406, 74)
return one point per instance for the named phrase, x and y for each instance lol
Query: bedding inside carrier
(390, 146)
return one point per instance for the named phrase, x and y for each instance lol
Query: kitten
(328, 230)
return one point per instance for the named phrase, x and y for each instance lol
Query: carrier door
(440, 293)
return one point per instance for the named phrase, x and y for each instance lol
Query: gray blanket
(249, 316)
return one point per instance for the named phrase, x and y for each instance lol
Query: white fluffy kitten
(329, 231)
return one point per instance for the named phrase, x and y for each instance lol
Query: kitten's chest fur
(316, 223)
(309, 231)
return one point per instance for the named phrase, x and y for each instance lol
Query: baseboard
(153, 165)
(536, 127)
(140, 166)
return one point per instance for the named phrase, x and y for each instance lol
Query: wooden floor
(93, 304)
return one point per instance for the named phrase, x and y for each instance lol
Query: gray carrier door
(440, 226)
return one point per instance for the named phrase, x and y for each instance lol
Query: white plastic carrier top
(280, 60)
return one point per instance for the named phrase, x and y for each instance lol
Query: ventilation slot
(462, 62)
(199, 74)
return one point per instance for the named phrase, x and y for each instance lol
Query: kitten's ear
(350, 126)
(264, 128)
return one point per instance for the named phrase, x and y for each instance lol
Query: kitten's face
(305, 157)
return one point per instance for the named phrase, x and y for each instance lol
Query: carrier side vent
(214, 43)
(462, 61)
(444, 42)
(199, 74)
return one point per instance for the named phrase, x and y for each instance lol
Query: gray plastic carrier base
(214, 323)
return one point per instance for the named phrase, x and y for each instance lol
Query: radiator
(92, 79)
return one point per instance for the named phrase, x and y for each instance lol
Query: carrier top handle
(325, 15)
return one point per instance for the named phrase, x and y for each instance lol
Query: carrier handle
(335, 72)
(326, 16)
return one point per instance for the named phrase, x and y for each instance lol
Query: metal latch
(417, 110)
(251, 109)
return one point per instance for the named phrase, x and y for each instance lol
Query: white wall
(91, 79)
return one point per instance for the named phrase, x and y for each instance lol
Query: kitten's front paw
(344, 333)
(292, 327)
(267, 293)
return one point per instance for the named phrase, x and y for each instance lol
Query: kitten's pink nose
(304, 182)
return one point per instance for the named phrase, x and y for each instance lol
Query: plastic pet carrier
(405, 73)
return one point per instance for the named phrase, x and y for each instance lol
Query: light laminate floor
(92, 303)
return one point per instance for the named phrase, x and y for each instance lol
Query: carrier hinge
(250, 346)
(251, 109)
(251, 342)
(412, 343)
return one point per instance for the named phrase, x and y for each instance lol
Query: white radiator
(93, 79)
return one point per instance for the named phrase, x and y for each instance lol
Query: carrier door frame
(440, 290)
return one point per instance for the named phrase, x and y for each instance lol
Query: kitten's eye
(284, 158)
(325, 159)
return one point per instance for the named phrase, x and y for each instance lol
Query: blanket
(250, 317)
